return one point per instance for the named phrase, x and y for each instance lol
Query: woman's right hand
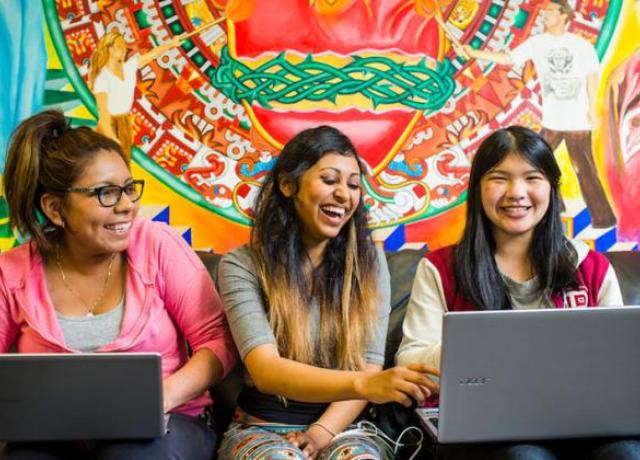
(400, 384)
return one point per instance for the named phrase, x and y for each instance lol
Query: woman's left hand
(310, 442)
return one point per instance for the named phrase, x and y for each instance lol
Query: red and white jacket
(434, 293)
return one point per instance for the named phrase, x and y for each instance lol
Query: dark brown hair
(46, 155)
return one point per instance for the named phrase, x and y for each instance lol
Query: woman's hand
(310, 442)
(399, 384)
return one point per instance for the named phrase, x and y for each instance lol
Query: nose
(124, 204)
(516, 189)
(340, 193)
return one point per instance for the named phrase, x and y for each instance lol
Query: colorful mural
(218, 87)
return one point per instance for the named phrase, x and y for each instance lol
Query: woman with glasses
(94, 277)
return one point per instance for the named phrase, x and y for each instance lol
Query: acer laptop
(56, 397)
(538, 374)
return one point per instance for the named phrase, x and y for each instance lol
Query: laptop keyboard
(430, 414)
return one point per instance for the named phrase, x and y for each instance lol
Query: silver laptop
(54, 397)
(541, 374)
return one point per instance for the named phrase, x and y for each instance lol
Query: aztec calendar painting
(210, 115)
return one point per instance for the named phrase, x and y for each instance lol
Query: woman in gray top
(308, 306)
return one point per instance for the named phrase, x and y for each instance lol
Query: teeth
(515, 209)
(119, 227)
(334, 210)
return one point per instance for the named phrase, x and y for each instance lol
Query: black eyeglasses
(110, 195)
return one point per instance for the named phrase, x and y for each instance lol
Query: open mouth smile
(334, 213)
(118, 228)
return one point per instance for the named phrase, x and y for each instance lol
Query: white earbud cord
(366, 428)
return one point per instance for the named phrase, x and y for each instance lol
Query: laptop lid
(52, 397)
(540, 374)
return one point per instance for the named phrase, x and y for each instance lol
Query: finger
(418, 378)
(402, 398)
(297, 439)
(312, 455)
(410, 388)
(310, 446)
(416, 392)
(426, 394)
(425, 369)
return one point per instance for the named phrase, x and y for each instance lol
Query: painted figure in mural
(308, 305)
(101, 279)
(524, 262)
(621, 133)
(568, 68)
(112, 79)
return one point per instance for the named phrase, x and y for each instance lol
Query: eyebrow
(506, 173)
(339, 171)
(108, 182)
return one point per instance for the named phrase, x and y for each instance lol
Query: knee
(523, 452)
(279, 453)
(619, 450)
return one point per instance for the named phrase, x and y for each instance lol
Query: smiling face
(327, 195)
(515, 197)
(89, 226)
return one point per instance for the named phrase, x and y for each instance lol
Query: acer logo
(465, 381)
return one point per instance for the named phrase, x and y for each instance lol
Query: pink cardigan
(170, 297)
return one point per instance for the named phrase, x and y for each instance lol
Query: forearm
(201, 372)
(302, 382)
(499, 57)
(149, 56)
(422, 325)
(428, 354)
(339, 415)
(158, 51)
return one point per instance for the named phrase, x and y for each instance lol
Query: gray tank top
(88, 333)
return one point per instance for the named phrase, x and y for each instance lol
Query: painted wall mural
(211, 90)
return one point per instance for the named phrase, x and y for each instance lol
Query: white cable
(366, 428)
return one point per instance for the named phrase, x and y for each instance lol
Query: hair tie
(59, 130)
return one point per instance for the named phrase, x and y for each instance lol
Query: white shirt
(563, 63)
(119, 92)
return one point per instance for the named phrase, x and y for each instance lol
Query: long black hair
(344, 284)
(551, 254)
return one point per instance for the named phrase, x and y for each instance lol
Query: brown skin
(87, 245)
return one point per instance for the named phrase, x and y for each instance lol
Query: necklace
(90, 308)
